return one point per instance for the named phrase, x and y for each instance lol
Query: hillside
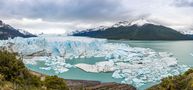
(6, 31)
(15, 76)
(138, 30)
(180, 82)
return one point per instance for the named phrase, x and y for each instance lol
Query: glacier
(134, 65)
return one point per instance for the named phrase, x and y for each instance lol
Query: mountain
(186, 31)
(134, 30)
(6, 31)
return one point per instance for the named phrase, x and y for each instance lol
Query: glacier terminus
(134, 65)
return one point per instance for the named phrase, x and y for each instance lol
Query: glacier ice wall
(67, 47)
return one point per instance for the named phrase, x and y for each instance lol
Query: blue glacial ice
(134, 65)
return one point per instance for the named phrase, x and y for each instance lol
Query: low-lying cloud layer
(184, 3)
(60, 16)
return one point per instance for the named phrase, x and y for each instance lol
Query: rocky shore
(90, 85)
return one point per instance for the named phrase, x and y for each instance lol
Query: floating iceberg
(134, 65)
(55, 63)
(150, 68)
(191, 54)
(104, 66)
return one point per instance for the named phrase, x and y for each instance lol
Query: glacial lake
(180, 49)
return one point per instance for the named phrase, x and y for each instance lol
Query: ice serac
(136, 66)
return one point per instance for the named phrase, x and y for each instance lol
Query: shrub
(55, 83)
(10, 67)
(13, 70)
(180, 82)
(14, 75)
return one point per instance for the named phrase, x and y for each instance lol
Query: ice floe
(55, 63)
(104, 66)
(139, 73)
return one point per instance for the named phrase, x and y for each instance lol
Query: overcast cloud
(60, 16)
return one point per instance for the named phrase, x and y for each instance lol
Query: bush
(10, 67)
(180, 82)
(14, 75)
(55, 83)
(188, 72)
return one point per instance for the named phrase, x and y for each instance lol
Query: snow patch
(24, 32)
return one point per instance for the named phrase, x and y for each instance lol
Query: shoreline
(88, 84)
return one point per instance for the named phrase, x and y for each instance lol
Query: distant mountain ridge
(134, 30)
(7, 31)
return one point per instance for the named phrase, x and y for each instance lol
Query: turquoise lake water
(180, 49)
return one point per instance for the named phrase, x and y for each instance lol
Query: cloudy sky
(60, 16)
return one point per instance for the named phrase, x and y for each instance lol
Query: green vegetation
(53, 82)
(15, 76)
(180, 82)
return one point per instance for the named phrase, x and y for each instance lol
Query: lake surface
(180, 49)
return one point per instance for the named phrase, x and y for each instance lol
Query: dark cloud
(36, 15)
(64, 9)
(183, 3)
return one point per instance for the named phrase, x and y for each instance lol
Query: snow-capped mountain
(135, 30)
(7, 31)
(24, 32)
(188, 32)
(139, 22)
(3, 25)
